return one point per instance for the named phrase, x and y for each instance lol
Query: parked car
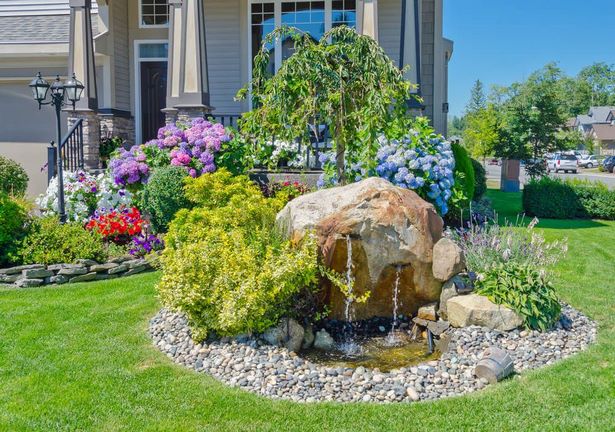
(609, 163)
(495, 161)
(563, 162)
(588, 161)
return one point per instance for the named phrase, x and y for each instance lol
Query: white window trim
(148, 26)
(137, 76)
(278, 23)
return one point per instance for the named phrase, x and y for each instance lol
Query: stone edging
(275, 372)
(35, 275)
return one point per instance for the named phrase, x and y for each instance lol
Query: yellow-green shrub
(225, 265)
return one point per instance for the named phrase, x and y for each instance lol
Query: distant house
(144, 61)
(598, 125)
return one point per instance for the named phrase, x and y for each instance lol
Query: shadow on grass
(509, 210)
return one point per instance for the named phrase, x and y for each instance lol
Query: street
(494, 172)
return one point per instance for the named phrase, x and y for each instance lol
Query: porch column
(81, 63)
(188, 81)
(367, 18)
(410, 45)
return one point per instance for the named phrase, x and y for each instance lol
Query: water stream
(349, 346)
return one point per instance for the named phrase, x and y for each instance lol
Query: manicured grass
(79, 358)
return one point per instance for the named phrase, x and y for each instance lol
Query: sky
(503, 41)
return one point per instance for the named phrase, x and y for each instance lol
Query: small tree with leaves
(344, 81)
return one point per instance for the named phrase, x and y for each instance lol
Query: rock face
(448, 259)
(472, 309)
(391, 233)
(288, 333)
(449, 290)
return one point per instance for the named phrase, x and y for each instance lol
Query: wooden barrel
(495, 365)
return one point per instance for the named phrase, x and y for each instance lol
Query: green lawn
(79, 358)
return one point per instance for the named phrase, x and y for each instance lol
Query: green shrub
(464, 171)
(163, 196)
(569, 199)
(524, 289)
(480, 180)
(13, 220)
(225, 265)
(13, 178)
(49, 242)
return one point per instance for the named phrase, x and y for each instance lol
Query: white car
(588, 161)
(563, 162)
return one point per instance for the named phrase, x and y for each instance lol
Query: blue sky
(503, 41)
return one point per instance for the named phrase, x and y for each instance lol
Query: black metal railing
(71, 151)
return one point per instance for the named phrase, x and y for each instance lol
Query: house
(598, 125)
(146, 61)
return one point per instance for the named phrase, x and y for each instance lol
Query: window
(154, 13)
(313, 17)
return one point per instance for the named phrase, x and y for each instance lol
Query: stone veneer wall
(34, 275)
(123, 127)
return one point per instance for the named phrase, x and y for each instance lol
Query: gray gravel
(277, 373)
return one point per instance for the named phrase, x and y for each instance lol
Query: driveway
(494, 172)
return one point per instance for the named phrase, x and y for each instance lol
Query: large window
(312, 17)
(154, 13)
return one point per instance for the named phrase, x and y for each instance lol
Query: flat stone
(119, 269)
(472, 309)
(9, 278)
(101, 268)
(135, 263)
(73, 271)
(420, 321)
(437, 328)
(29, 283)
(136, 270)
(105, 276)
(19, 269)
(36, 273)
(87, 262)
(58, 267)
(83, 278)
(58, 279)
(122, 259)
(428, 312)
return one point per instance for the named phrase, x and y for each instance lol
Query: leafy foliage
(568, 199)
(163, 196)
(226, 266)
(13, 220)
(483, 131)
(345, 81)
(49, 242)
(525, 290)
(13, 178)
(480, 180)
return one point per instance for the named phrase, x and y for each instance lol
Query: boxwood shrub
(13, 220)
(13, 178)
(568, 199)
(480, 180)
(163, 196)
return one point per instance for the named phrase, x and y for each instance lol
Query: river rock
(448, 259)
(391, 233)
(288, 333)
(323, 341)
(428, 312)
(472, 309)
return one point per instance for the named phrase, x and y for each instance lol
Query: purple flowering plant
(144, 244)
(192, 146)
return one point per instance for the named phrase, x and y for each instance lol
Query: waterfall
(349, 279)
(395, 298)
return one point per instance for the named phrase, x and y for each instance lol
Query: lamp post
(72, 90)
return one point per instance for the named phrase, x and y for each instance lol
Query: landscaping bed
(253, 365)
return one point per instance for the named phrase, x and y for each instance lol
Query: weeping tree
(344, 81)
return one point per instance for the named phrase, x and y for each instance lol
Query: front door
(153, 98)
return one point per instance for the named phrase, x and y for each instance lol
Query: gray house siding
(389, 27)
(427, 55)
(121, 56)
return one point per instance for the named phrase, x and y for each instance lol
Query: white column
(81, 52)
(367, 18)
(188, 81)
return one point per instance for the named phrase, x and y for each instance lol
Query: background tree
(478, 100)
(600, 78)
(345, 81)
(483, 131)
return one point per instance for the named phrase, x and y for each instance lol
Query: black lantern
(39, 88)
(74, 89)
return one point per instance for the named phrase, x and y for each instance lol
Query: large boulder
(448, 259)
(473, 309)
(390, 232)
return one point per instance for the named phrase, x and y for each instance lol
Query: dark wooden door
(153, 98)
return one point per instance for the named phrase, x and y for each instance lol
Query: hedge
(480, 180)
(569, 199)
